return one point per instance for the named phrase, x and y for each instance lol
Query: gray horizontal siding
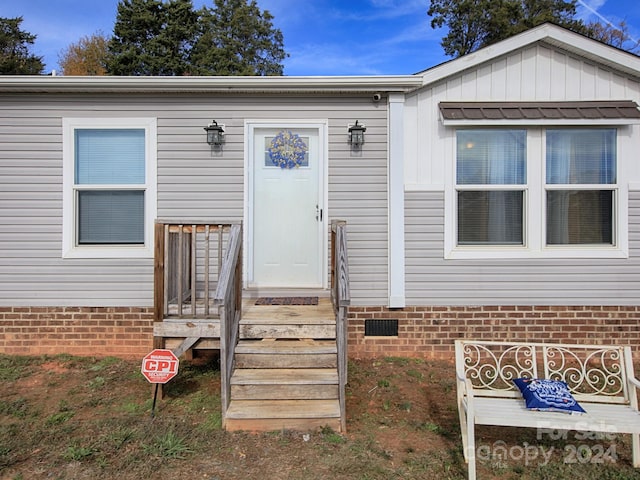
(431, 280)
(358, 194)
(192, 183)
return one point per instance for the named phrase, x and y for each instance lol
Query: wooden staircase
(286, 369)
(281, 367)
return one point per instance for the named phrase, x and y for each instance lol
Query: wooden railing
(188, 263)
(228, 298)
(341, 298)
(198, 278)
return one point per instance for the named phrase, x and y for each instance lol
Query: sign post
(158, 367)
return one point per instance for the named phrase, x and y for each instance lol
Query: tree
(15, 58)
(152, 37)
(236, 38)
(86, 57)
(474, 24)
(618, 37)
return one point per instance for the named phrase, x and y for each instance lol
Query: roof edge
(549, 33)
(300, 84)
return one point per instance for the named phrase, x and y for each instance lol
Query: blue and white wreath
(287, 150)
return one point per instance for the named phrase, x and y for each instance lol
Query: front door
(286, 218)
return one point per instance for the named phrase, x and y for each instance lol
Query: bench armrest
(465, 393)
(634, 382)
(464, 386)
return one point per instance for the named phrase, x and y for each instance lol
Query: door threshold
(257, 292)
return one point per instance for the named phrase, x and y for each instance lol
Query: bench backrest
(594, 373)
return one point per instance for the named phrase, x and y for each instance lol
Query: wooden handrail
(184, 277)
(341, 297)
(228, 298)
(340, 264)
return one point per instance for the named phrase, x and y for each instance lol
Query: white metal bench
(600, 378)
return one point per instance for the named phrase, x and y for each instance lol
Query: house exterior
(496, 196)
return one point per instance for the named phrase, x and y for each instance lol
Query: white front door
(286, 217)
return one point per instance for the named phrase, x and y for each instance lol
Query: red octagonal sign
(160, 366)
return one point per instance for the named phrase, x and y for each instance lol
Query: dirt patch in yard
(89, 418)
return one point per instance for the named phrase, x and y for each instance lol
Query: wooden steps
(270, 415)
(293, 384)
(286, 354)
(285, 373)
(288, 321)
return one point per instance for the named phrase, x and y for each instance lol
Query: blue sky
(323, 37)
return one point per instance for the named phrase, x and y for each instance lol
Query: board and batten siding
(535, 73)
(193, 183)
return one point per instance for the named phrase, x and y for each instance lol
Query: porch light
(215, 134)
(356, 134)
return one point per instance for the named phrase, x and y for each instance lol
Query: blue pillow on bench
(547, 395)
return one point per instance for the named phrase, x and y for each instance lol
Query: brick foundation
(426, 332)
(100, 331)
(430, 331)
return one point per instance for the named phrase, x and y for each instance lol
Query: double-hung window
(537, 192)
(109, 182)
(581, 186)
(491, 186)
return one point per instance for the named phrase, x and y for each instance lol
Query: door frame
(323, 189)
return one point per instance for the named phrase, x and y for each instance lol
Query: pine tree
(236, 38)
(152, 37)
(15, 58)
(156, 37)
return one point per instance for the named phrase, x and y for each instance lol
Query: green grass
(135, 406)
(103, 430)
(398, 361)
(77, 452)
(14, 367)
(96, 383)
(120, 435)
(212, 422)
(18, 408)
(430, 427)
(384, 383)
(58, 418)
(332, 437)
(169, 446)
(105, 363)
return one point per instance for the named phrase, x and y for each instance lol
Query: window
(491, 178)
(109, 197)
(580, 186)
(533, 191)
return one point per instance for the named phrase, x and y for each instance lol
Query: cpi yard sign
(160, 366)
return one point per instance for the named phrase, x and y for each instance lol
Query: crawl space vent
(380, 328)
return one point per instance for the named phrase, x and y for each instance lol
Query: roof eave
(109, 84)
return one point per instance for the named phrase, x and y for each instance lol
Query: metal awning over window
(571, 113)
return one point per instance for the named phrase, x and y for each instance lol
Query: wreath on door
(287, 150)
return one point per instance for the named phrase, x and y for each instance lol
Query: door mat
(287, 301)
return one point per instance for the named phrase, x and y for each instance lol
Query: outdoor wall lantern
(215, 134)
(356, 134)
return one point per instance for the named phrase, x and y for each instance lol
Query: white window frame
(534, 240)
(70, 247)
